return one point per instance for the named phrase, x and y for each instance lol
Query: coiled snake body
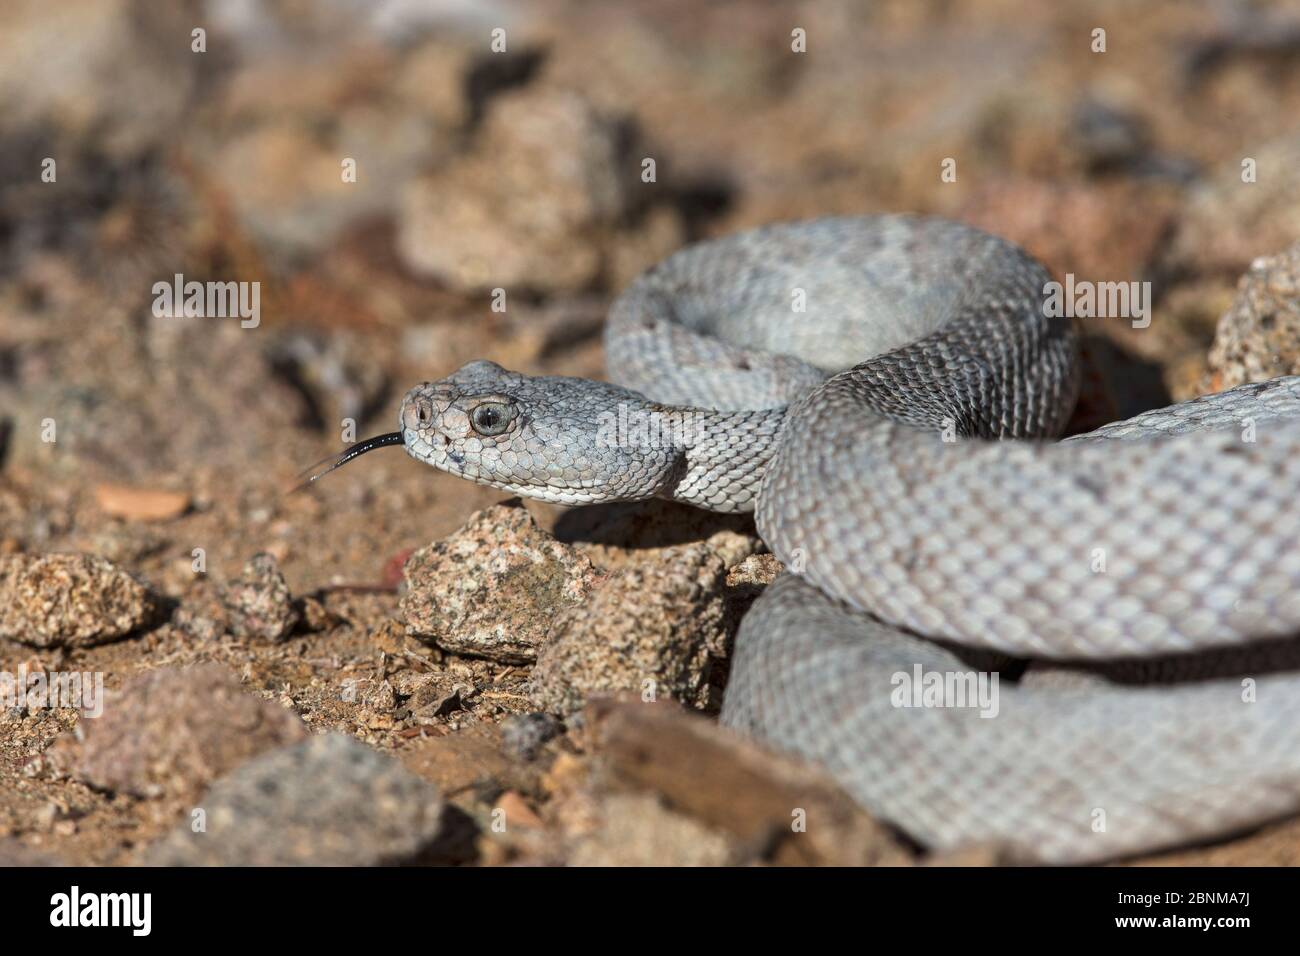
(844, 379)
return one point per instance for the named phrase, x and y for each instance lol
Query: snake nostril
(417, 414)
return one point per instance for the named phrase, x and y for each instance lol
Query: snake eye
(491, 418)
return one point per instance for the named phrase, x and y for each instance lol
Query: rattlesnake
(842, 378)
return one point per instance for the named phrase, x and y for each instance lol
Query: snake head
(551, 438)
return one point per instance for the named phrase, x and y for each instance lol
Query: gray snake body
(844, 379)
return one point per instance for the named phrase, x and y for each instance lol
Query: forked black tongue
(310, 474)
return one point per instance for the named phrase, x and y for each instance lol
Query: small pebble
(523, 735)
(258, 604)
(141, 504)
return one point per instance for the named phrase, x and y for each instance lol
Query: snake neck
(724, 455)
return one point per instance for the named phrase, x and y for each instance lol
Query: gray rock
(328, 801)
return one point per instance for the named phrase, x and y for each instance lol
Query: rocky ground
(397, 667)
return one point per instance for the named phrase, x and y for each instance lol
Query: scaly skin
(1157, 559)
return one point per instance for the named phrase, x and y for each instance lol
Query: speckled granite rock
(328, 801)
(655, 631)
(746, 581)
(172, 731)
(1259, 337)
(70, 600)
(494, 587)
(756, 572)
(258, 604)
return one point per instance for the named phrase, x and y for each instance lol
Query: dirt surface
(500, 199)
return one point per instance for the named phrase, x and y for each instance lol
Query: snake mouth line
(310, 474)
